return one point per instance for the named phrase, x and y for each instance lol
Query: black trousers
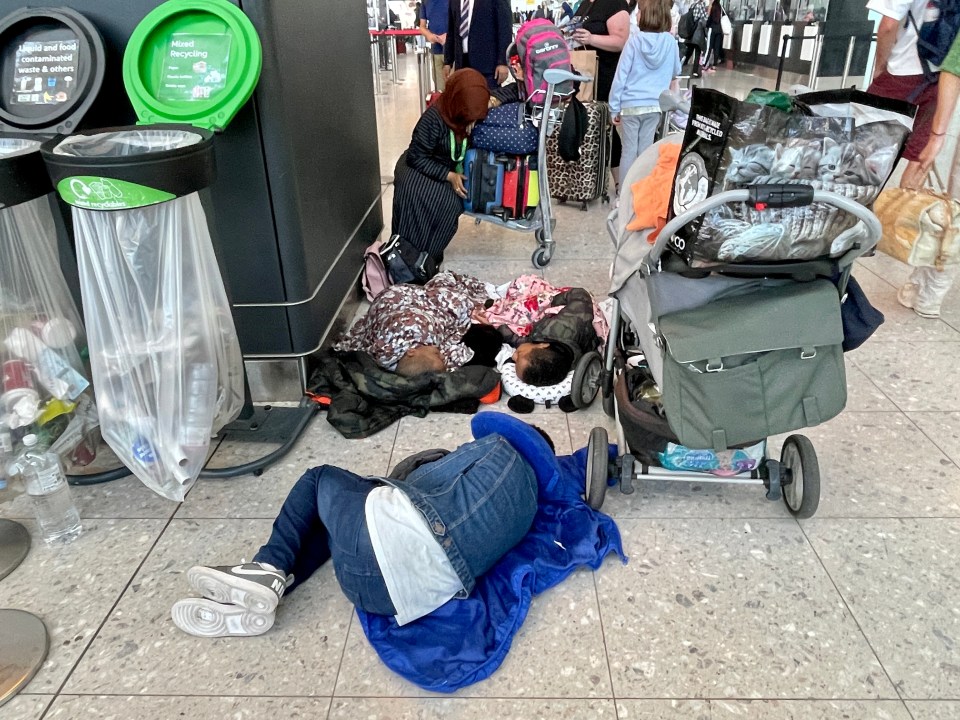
(426, 212)
(689, 49)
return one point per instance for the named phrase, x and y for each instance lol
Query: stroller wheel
(802, 492)
(540, 258)
(586, 380)
(597, 468)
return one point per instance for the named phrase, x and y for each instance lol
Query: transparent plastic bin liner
(41, 334)
(125, 143)
(164, 351)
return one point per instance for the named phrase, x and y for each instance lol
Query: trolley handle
(772, 196)
(555, 76)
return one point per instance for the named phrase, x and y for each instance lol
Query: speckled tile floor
(728, 608)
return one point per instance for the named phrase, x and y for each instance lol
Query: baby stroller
(547, 118)
(704, 363)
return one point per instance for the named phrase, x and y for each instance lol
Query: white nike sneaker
(250, 585)
(206, 618)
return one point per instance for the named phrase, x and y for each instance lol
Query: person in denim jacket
(400, 547)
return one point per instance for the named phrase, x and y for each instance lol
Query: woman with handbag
(715, 32)
(928, 285)
(695, 45)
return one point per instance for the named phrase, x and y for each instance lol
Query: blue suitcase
(484, 184)
(505, 130)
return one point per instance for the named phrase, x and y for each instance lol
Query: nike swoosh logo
(239, 570)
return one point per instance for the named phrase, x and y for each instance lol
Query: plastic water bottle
(199, 409)
(47, 486)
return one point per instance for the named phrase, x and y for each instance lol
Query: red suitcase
(521, 192)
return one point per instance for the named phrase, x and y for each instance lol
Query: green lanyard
(454, 155)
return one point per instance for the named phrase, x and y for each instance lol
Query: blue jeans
(323, 517)
(479, 500)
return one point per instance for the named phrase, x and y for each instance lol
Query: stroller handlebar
(764, 196)
(669, 101)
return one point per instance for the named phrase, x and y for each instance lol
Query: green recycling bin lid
(192, 61)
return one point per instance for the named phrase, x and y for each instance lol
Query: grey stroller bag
(784, 362)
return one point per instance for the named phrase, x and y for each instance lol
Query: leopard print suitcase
(586, 179)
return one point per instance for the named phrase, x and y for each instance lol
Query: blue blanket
(465, 641)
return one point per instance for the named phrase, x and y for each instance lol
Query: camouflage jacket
(365, 398)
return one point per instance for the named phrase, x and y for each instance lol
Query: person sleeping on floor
(551, 329)
(401, 546)
(450, 322)
(413, 329)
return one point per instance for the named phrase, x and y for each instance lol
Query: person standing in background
(478, 35)
(696, 44)
(605, 28)
(650, 61)
(899, 74)
(676, 12)
(947, 95)
(434, 16)
(714, 36)
(927, 286)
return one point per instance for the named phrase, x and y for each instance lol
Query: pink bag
(541, 46)
(375, 278)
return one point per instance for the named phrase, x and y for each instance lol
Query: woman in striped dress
(428, 179)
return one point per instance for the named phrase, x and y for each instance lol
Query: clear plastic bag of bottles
(41, 334)
(164, 351)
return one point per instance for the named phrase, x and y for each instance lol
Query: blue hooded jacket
(648, 64)
(465, 641)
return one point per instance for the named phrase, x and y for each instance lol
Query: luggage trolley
(795, 476)
(541, 221)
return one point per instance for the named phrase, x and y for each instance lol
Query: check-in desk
(762, 43)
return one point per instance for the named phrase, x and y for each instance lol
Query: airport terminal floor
(727, 608)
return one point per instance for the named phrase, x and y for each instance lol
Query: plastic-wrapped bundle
(41, 334)
(164, 351)
(843, 141)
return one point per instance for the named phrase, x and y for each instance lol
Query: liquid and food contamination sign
(45, 71)
(194, 67)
